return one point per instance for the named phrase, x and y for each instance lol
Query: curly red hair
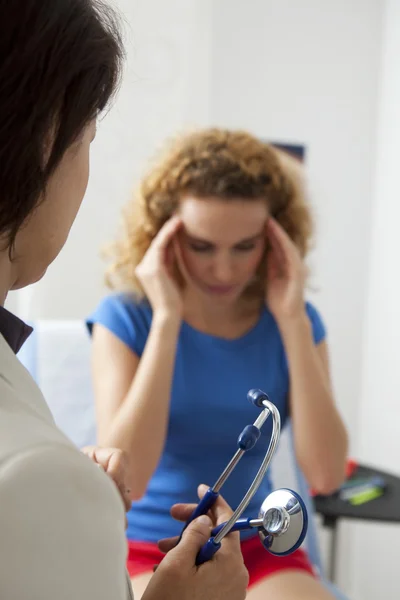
(213, 162)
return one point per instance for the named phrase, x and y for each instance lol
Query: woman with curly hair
(210, 282)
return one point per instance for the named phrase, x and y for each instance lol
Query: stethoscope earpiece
(257, 397)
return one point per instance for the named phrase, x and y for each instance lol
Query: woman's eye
(200, 247)
(245, 247)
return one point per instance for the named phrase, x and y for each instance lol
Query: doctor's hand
(178, 578)
(115, 463)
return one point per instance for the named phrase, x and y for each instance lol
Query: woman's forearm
(140, 425)
(320, 437)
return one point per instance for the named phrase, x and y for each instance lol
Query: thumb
(194, 537)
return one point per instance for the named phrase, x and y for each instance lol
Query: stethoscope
(282, 520)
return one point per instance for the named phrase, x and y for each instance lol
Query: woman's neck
(218, 318)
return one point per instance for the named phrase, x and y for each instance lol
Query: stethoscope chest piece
(282, 522)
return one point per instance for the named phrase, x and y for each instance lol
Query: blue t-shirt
(208, 409)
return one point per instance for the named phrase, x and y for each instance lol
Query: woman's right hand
(155, 272)
(178, 578)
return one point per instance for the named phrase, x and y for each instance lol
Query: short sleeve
(317, 324)
(127, 319)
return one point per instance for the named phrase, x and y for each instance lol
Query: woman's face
(222, 242)
(42, 237)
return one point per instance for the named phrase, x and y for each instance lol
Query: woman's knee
(289, 585)
(139, 584)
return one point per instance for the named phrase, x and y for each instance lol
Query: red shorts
(142, 557)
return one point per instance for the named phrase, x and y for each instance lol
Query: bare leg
(139, 584)
(289, 585)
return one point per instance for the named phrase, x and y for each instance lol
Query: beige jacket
(61, 519)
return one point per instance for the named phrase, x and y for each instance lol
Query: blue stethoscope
(282, 520)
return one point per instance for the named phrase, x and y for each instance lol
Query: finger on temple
(277, 254)
(180, 261)
(279, 237)
(273, 268)
(167, 231)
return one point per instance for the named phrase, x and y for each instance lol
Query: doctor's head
(59, 66)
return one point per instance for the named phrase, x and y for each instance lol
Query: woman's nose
(223, 270)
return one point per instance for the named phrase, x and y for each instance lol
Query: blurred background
(317, 73)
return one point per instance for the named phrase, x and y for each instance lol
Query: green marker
(366, 496)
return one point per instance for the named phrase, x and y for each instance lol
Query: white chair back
(58, 357)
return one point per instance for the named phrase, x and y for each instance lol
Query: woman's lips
(221, 289)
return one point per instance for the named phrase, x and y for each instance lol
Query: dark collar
(14, 331)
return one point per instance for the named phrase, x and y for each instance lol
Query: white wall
(306, 72)
(379, 410)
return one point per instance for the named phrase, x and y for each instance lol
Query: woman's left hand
(285, 275)
(115, 463)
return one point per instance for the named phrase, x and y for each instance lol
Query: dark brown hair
(60, 63)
